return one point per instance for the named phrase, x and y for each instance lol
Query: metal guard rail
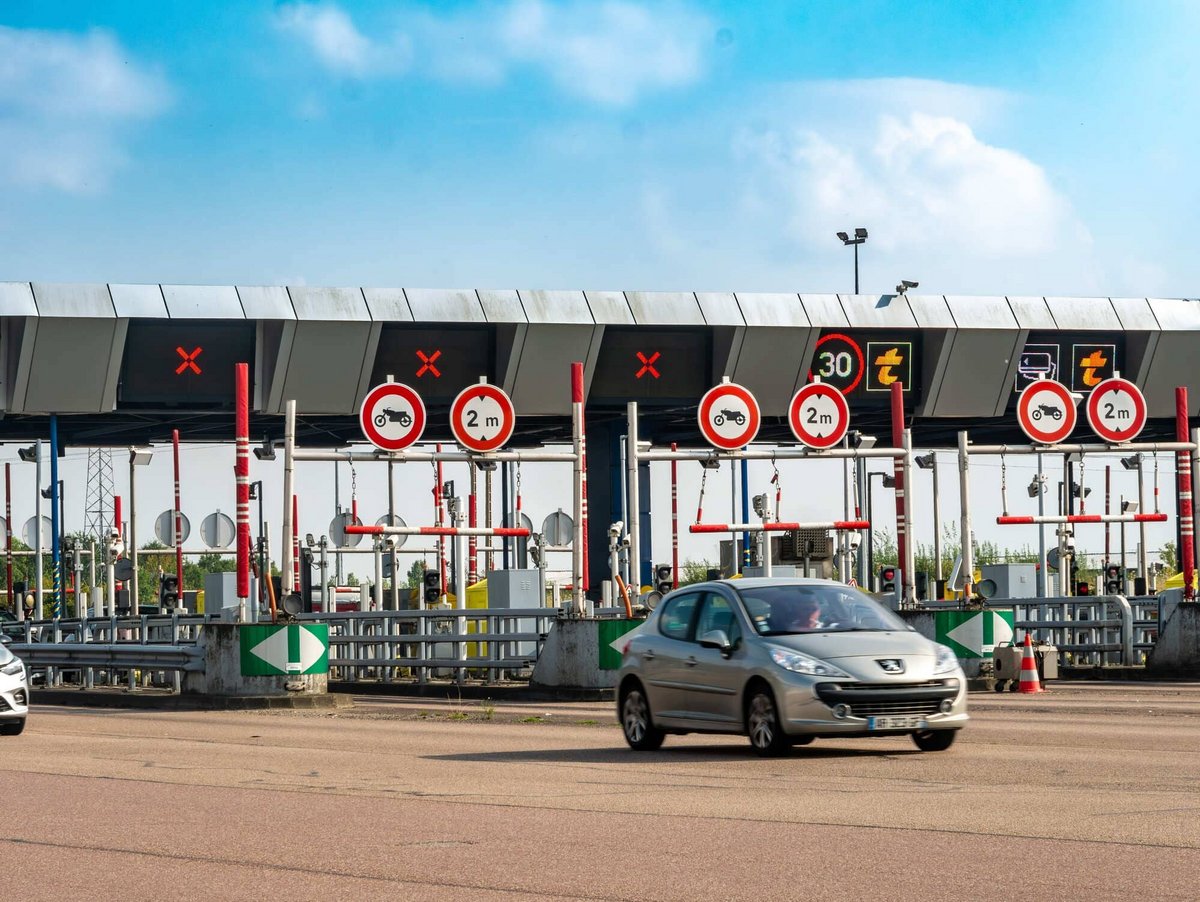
(120, 655)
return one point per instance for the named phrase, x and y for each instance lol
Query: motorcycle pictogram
(403, 417)
(736, 415)
(1046, 410)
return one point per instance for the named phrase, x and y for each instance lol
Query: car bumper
(817, 708)
(14, 698)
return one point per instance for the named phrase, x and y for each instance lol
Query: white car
(14, 693)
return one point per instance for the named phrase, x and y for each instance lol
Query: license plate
(896, 723)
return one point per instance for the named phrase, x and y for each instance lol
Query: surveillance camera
(855, 540)
(309, 540)
(907, 284)
(616, 529)
(760, 505)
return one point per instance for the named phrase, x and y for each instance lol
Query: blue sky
(989, 147)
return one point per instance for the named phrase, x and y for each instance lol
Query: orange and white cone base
(1029, 675)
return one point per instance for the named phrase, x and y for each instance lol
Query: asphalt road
(1086, 792)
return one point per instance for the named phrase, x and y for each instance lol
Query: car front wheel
(13, 728)
(762, 724)
(640, 732)
(935, 740)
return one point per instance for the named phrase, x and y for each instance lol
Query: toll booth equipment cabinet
(1006, 660)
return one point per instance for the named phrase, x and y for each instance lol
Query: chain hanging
(703, 482)
(1003, 481)
(1082, 490)
(775, 481)
(1156, 510)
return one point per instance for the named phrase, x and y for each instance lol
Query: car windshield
(809, 608)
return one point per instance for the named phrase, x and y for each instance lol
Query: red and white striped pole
(675, 520)
(18, 605)
(1183, 469)
(117, 529)
(577, 549)
(295, 543)
(899, 468)
(241, 469)
(178, 517)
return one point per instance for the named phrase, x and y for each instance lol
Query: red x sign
(648, 364)
(189, 361)
(427, 364)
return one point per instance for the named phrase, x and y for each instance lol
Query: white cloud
(905, 159)
(63, 101)
(610, 53)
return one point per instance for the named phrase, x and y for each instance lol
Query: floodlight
(889, 481)
(858, 440)
(926, 462)
(1129, 507)
(1132, 462)
(860, 233)
(139, 457)
(843, 236)
(29, 455)
(267, 451)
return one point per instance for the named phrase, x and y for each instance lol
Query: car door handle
(691, 661)
(648, 656)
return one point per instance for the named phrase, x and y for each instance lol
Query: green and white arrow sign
(285, 650)
(973, 634)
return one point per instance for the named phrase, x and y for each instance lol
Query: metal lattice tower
(99, 510)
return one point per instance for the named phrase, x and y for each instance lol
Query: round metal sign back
(337, 530)
(218, 530)
(558, 528)
(164, 527)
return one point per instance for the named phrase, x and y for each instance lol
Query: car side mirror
(5, 639)
(717, 639)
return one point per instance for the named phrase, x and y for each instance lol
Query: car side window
(717, 614)
(675, 622)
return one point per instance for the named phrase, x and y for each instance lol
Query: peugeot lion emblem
(891, 665)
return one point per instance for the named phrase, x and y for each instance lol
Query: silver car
(786, 661)
(14, 692)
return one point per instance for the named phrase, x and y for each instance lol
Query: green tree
(416, 574)
(694, 571)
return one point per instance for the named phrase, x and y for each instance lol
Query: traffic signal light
(664, 581)
(168, 592)
(433, 585)
(1112, 579)
(887, 579)
(1083, 588)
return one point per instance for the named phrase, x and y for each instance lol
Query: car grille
(871, 699)
(4, 705)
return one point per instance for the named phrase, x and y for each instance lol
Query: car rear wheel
(12, 728)
(640, 732)
(935, 740)
(762, 724)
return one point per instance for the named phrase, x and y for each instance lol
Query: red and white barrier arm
(848, 525)
(1081, 518)
(519, 532)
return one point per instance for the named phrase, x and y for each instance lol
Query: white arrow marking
(618, 644)
(969, 634)
(1001, 631)
(274, 650)
(311, 649)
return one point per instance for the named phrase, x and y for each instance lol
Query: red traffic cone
(1029, 675)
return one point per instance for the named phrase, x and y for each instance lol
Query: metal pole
(937, 522)
(869, 583)
(1195, 458)
(241, 479)
(1183, 466)
(1122, 592)
(1108, 510)
(487, 514)
(864, 564)
(17, 606)
(131, 542)
(1143, 569)
(674, 521)
(634, 527)
(377, 589)
(38, 594)
(964, 497)
(745, 510)
(289, 488)
(178, 518)
(472, 520)
(55, 541)
(337, 507)
(577, 489)
(1041, 571)
(856, 267)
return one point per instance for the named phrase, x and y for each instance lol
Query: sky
(989, 148)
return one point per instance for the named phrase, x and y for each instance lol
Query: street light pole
(860, 237)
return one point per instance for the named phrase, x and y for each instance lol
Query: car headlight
(13, 668)
(798, 663)
(946, 661)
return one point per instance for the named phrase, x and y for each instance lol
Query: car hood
(857, 652)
